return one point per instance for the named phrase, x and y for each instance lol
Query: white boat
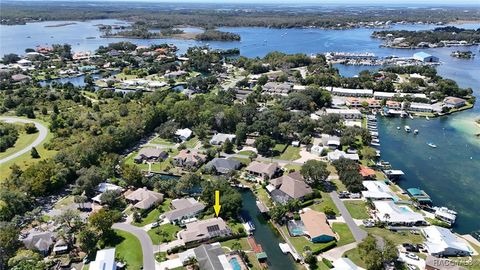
(426, 117)
(398, 128)
(432, 145)
(407, 128)
(415, 131)
(411, 116)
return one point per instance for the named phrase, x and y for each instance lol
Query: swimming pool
(295, 227)
(234, 263)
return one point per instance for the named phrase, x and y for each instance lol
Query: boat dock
(257, 249)
(287, 249)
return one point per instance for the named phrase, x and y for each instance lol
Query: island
(439, 37)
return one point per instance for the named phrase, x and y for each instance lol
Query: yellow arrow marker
(217, 205)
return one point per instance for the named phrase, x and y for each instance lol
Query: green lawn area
(294, 167)
(164, 233)
(300, 242)
(154, 214)
(245, 152)
(157, 166)
(158, 140)
(161, 256)
(346, 237)
(263, 196)
(123, 76)
(357, 209)
(396, 237)
(63, 202)
(354, 256)
(192, 142)
(23, 141)
(25, 160)
(291, 153)
(129, 249)
(242, 241)
(324, 201)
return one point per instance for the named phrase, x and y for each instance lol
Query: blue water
(449, 173)
(234, 263)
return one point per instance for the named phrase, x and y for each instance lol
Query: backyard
(154, 214)
(164, 233)
(324, 201)
(290, 153)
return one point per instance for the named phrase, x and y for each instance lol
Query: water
(448, 174)
(265, 236)
(234, 263)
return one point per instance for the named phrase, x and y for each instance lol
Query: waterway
(264, 235)
(449, 173)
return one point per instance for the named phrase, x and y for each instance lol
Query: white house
(337, 154)
(377, 190)
(425, 57)
(345, 113)
(220, 138)
(104, 260)
(442, 242)
(392, 214)
(420, 107)
(347, 92)
(184, 134)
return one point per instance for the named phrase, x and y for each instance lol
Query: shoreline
(60, 24)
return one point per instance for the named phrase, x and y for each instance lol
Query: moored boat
(407, 128)
(432, 145)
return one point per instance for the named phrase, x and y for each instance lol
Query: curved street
(42, 135)
(145, 242)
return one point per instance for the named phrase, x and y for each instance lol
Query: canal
(264, 234)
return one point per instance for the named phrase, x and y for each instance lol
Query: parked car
(412, 256)
(411, 267)
(343, 194)
(155, 224)
(368, 223)
(355, 196)
(410, 247)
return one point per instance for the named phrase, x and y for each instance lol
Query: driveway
(42, 134)
(145, 242)
(420, 263)
(336, 253)
(358, 233)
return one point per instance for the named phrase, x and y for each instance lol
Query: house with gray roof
(204, 230)
(223, 165)
(151, 155)
(263, 170)
(220, 138)
(288, 187)
(40, 241)
(183, 209)
(143, 198)
(211, 257)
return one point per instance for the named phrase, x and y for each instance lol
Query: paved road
(336, 253)
(358, 233)
(145, 242)
(42, 134)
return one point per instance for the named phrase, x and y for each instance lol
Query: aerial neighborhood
(205, 159)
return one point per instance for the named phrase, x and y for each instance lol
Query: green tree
(26, 260)
(264, 144)
(9, 242)
(34, 153)
(88, 240)
(311, 260)
(314, 172)
(368, 153)
(132, 175)
(329, 212)
(227, 146)
(102, 220)
(70, 218)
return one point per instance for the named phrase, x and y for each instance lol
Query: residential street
(358, 233)
(145, 241)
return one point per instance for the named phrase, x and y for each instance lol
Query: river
(265, 236)
(449, 173)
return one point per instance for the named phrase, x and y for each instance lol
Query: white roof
(388, 211)
(102, 187)
(439, 239)
(342, 111)
(105, 260)
(337, 154)
(376, 190)
(185, 133)
(352, 91)
(421, 106)
(345, 264)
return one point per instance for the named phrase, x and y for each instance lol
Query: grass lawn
(164, 233)
(192, 142)
(161, 256)
(263, 196)
(293, 167)
(63, 202)
(300, 242)
(23, 141)
(346, 237)
(158, 140)
(129, 249)
(396, 237)
(245, 161)
(324, 201)
(357, 208)
(26, 160)
(242, 241)
(291, 153)
(154, 214)
(157, 166)
(354, 256)
(245, 152)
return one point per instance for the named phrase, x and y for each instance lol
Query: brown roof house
(316, 226)
(204, 230)
(183, 209)
(288, 187)
(143, 198)
(151, 155)
(189, 159)
(263, 170)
